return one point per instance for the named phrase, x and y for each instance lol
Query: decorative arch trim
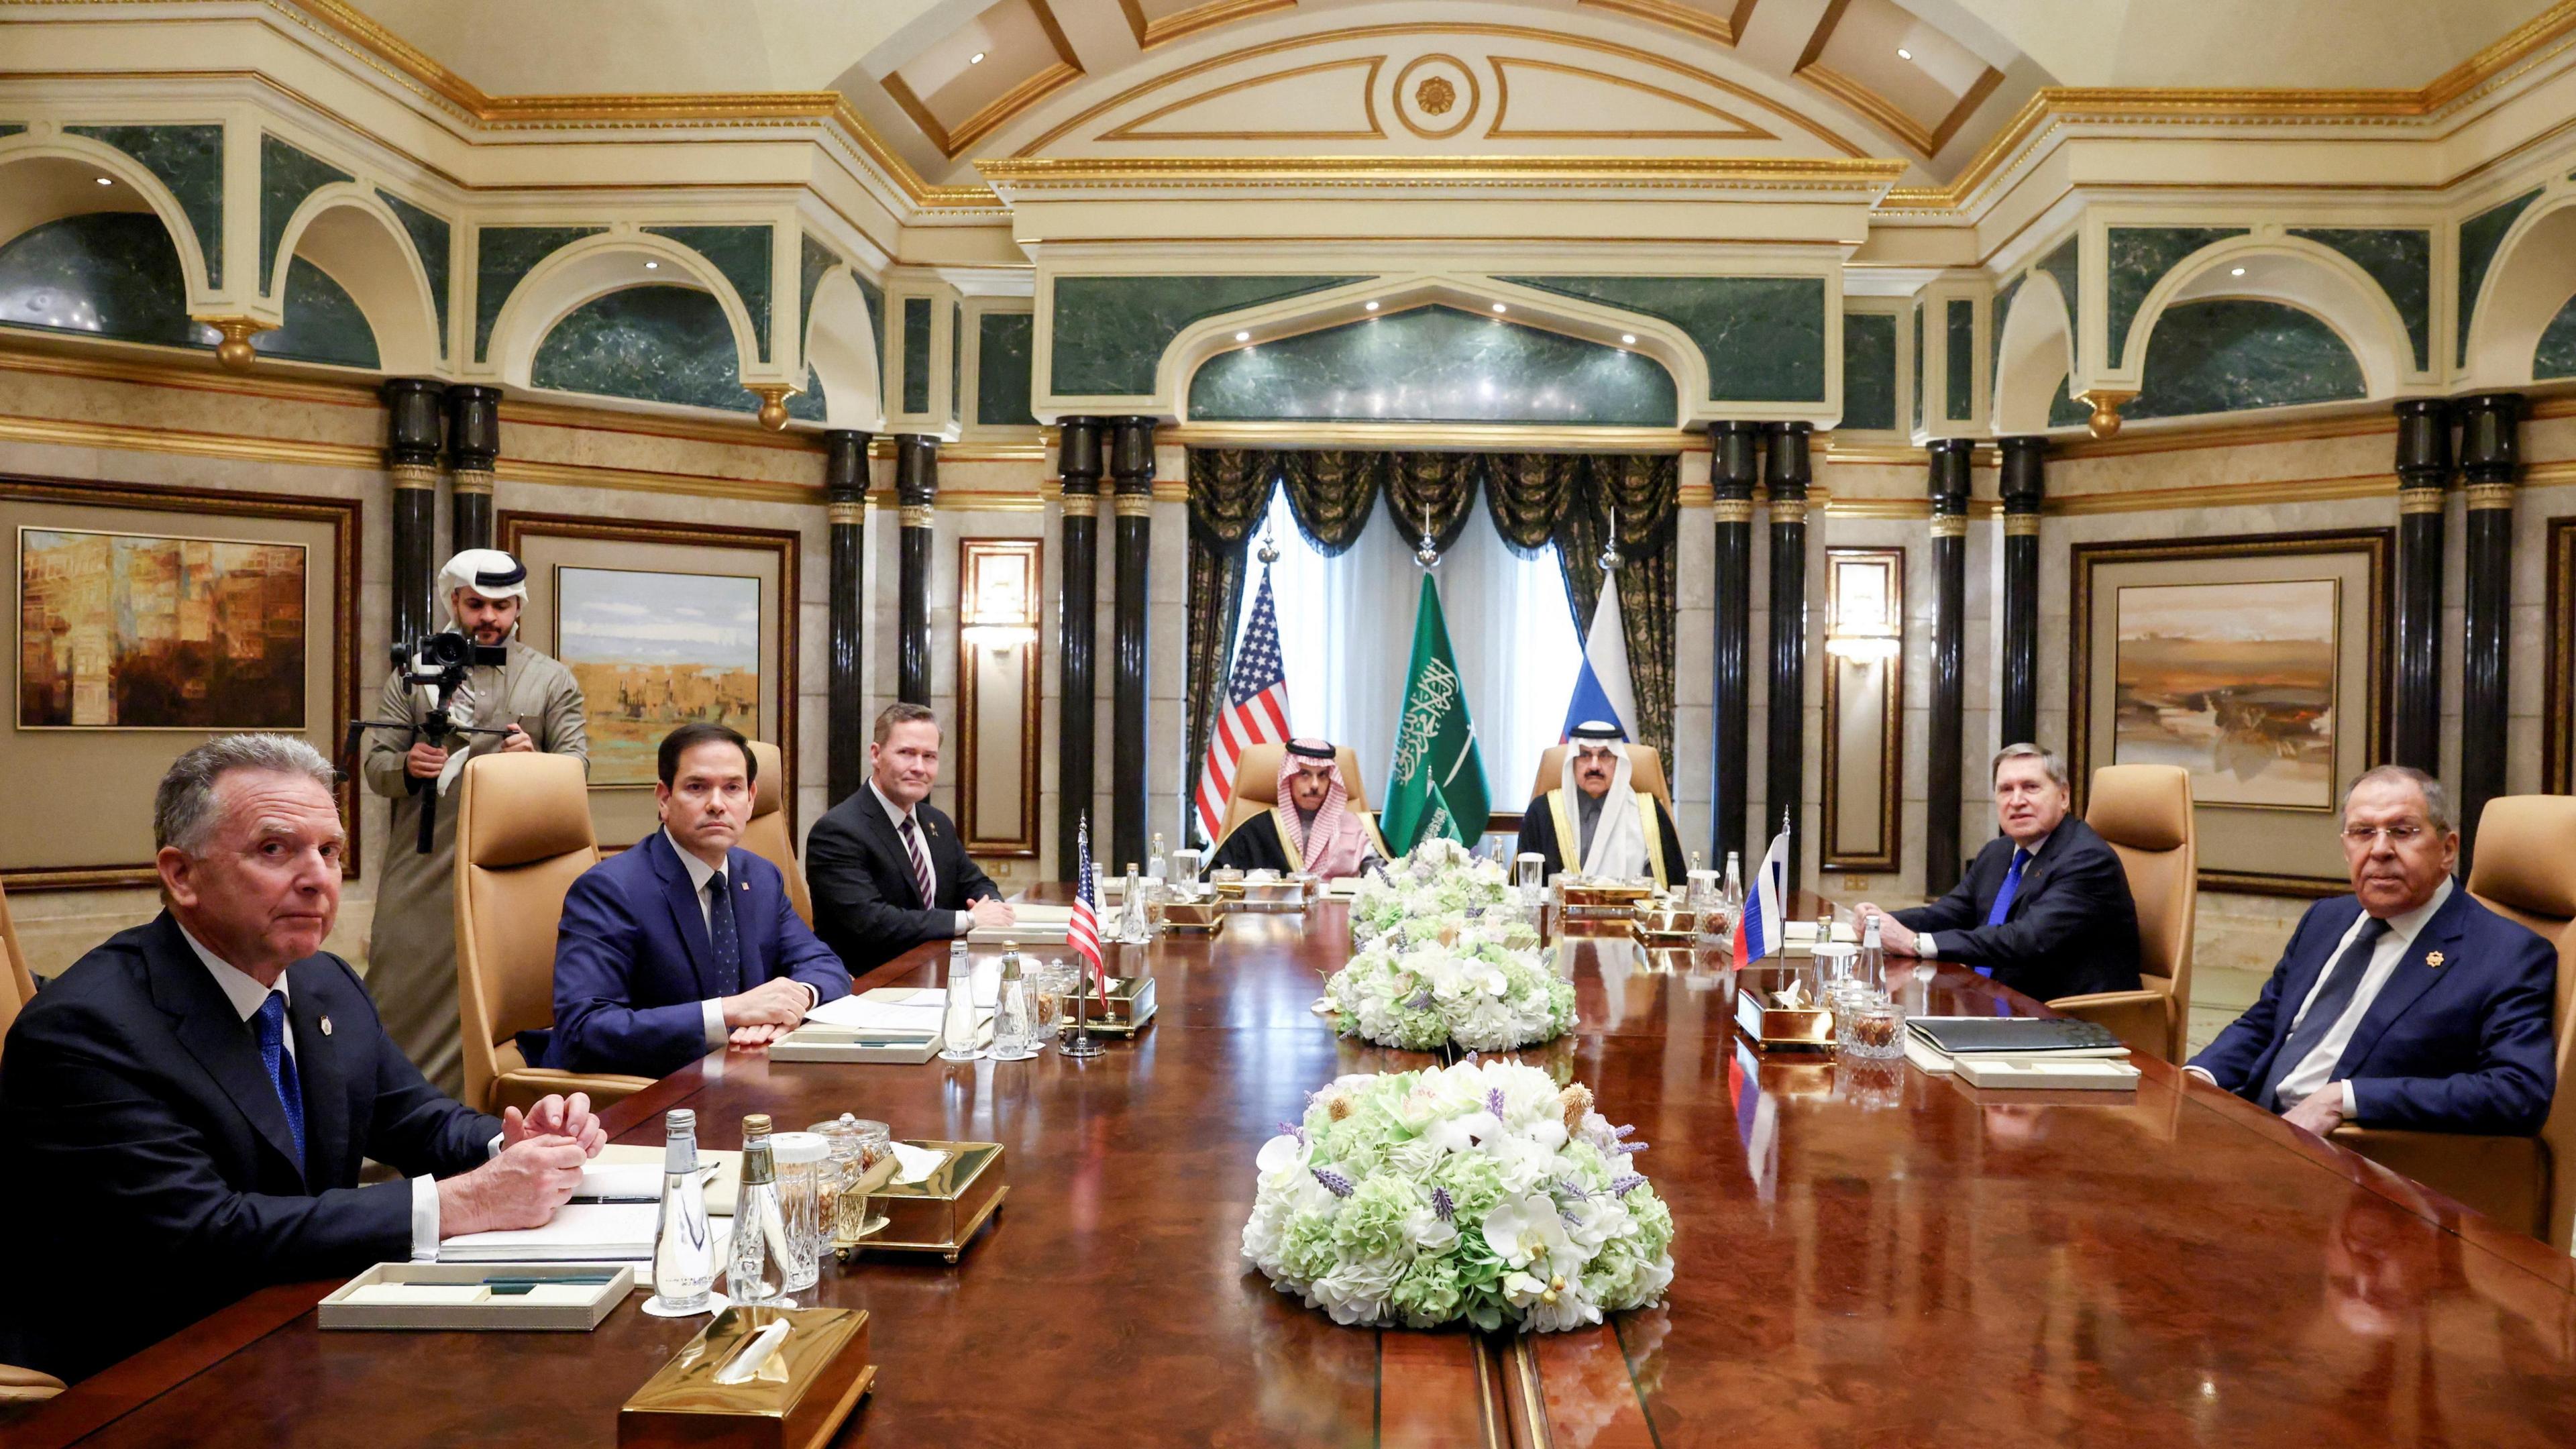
(23, 209)
(348, 231)
(2299, 273)
(593, 265)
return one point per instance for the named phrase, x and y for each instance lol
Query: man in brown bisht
(411, 952)
(1312, 828)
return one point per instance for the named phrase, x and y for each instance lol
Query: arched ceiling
(946, 82)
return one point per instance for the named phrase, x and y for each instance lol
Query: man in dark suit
(184, 1111)
(685, 943)
(2405, 1004)
(887, 872)
(2044, 908)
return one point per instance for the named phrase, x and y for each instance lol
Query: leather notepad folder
(2013, 1035)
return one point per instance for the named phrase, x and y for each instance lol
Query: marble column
(2018, 611)
(2423, 486)
(1078, 459)
(473, 447)
(1734, 462)
(916, 483)
(2490, 462)
(845, 492)
(411, 456)
(1131, 469)
(1947, 717)
(1787, 472)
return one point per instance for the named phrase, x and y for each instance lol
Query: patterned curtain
(1434, 490)
(1330, 494)
(1641, 492)
(1526, 493)
(1229, 492)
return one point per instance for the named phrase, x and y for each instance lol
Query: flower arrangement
(1479, 1191)
(1480, 986)
(1439, 882)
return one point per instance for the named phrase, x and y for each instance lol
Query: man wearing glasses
(2405, 1004)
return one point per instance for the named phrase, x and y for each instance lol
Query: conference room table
(1865, 1255)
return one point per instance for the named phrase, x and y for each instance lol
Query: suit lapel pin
(326, 1026)
(2433, 959)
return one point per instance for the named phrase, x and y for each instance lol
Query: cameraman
(411, 952)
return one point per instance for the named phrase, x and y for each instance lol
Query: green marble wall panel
(2400, 260)
(2064, 411)
(10, 128)
(432, 237)
(1869, 370)
(2556, 355)
(2140, 256)
(286, 177)
(1762, 337)
(1914, 410)
(742, 253)
(2065, 265)
(1959, 361)
(323, 323)
(1435, 365)
(106, 274)
(875, 296)
(190, 161)
(1997, 313)
(1110, 332)
(956, 361)
(2231, 354)
(1005, 357)
(653, 343)
(2480, 235)
(505, 254)
(916, 354)
(813, 260)
(809, 406)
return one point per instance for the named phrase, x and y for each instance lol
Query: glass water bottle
(684, 1256)
(957, 1022)
(1154, 860)
(761, 1252)
(1731, 895)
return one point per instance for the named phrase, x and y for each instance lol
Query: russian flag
(1766, 917)
(1602, 690)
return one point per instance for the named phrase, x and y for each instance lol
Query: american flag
(1256, 710)
(1082, 932)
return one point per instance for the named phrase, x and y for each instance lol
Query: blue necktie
(2342, 979)
(271, 1021)
(723, 937)
(2003, 905)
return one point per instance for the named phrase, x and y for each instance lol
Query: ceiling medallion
(1435, 96)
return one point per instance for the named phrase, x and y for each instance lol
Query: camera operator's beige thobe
(411, 952)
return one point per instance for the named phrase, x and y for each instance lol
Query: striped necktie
(920, 863)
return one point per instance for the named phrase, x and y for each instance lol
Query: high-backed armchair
(2526, 871)
(2144, 811)
(523, 836)
(1256, 788)
(766, 835)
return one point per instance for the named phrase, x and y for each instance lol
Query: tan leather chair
(2526, 872)
(1645, 772)
(18, 990)
(2144, 811)
(26, 1385)
(766, 835)
(523, 836)
(1256, 789)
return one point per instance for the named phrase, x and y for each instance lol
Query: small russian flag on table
(1766, 917)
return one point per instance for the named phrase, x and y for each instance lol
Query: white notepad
(617, 1160)
(910, 1010)
(579, 1233)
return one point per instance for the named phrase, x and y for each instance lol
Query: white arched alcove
(594, 267)
(2296, 273)
(841, 347)
(45, 179)
(2038, 348)
(352, 235)
(2533, 275)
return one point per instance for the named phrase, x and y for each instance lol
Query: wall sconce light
(998, 607)
(1000, 598)
(1864, 626)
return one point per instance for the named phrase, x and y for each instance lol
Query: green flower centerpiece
(1476, 1191)
(1481, 986)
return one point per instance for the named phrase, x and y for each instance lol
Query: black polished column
(2490, 461)
(1786, 474)
(916, 483)
(1734, 462)
(1948, 717)
(411, 456)
(1078, 450)
(845, 727)
(473, 447)
(2017, 612)
(2423, 484)
(1131, 469)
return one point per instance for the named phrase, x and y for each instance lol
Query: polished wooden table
(1866, 1255)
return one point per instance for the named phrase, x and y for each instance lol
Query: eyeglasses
(2400, 836)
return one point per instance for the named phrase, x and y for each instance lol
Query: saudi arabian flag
(1439, 785)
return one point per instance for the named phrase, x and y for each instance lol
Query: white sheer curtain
(1346, 635)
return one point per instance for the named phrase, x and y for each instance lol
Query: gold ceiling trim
(2227, 435)
(1689, 19)
(2522, 43)
(639, 480)
(1150, 33)
(1127, 131)
(2223, 495)
(992, 117)
(1744, 130)
(745, 434)
(1690, 172)
(65, 433)
(1424, 437)
(195, 378)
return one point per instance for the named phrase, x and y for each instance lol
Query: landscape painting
(136, 631)
(2234, 682)
(655, 650)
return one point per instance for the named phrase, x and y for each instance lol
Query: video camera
(433, 669)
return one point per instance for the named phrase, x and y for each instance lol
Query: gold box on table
(1667, 926)
(1774, 1024)
(941, 1213)
(1603, 900)
(1131, 1005)
(1190, 918)
(796, 1402)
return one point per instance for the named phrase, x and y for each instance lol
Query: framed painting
(149, 619)
(661, 625)
(2259, 665)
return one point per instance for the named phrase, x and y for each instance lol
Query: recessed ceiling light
(1243, 337)
(2236, 272)
(1499, 307)
(1903, 54)
(1372, 306)
(1629, 338)
(652, 266)
(107, 181)
(976, 59)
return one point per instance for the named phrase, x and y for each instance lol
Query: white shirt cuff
(424, 1209)
(713, 1014)
(813, 997)
(2203, 1074)
(2351, 1108)
(965, 922)
(1923, 947)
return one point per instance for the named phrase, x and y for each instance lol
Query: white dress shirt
(965, 919)
(701, 874)
(2314, 1070)
(247, 996)
(1923, 945)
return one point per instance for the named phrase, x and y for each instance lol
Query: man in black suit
(887, 872)
(2045, 907)
(184, 1111)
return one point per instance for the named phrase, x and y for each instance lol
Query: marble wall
(1869, 371)
(1763, 338)
(1434, 364)
(2231, 354)
(1110, 332)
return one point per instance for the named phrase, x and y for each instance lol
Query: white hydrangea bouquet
(1438, 882)
(1477, 1191)
(1481, 986)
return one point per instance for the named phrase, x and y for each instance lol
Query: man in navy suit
(887, 871)
(2405, 1004)
(673, 949)
(184, 1111)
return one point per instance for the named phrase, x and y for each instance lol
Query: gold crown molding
(1690, 20)
(613, 420)
(1882, 508)
(958, 500)
(882, 446)
(1368, 97)
(65, 433)
(1455, 437)
(1503, 65)
(2228, 435)
(191, 376)
(2489, 66)
(2223, 495)
(1044, 173)
(1150, 33)
(640, 480)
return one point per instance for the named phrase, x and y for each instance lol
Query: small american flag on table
(1082, 932)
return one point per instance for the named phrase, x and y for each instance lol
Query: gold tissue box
(1667, 926)
(941, 1213)
(1190, 918)
(796, 1402)
(1760, 1014)
(1131, 1005)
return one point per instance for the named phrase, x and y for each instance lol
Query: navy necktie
(2011, 888)
(723, 937)
(270, 1019)
(2342, 979)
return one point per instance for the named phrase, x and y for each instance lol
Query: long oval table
(1866, 1255)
